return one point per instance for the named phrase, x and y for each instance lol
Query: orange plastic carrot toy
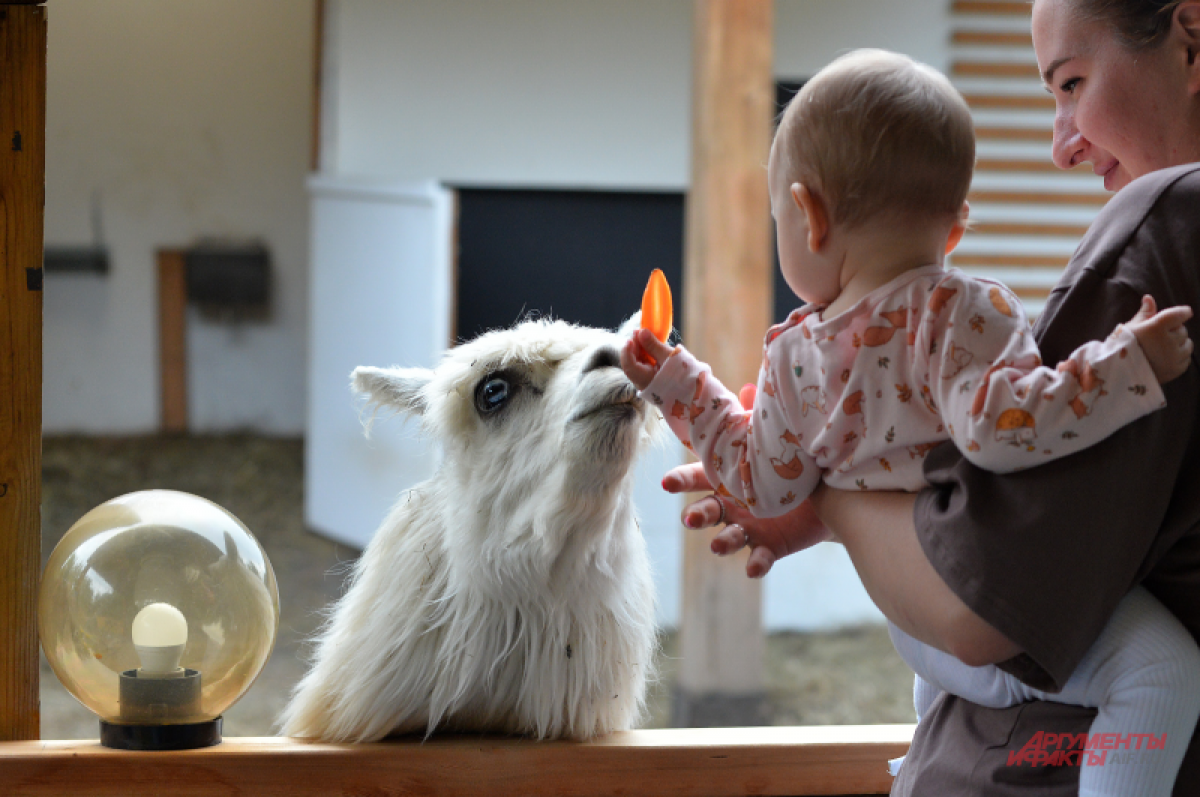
(656, 306)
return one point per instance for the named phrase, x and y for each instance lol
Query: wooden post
(22, 197)
(172, 339)
(727, 300)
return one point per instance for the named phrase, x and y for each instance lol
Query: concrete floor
(847, 677)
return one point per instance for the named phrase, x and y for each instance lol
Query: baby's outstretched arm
(641, 357)
(759, 464)
(1163, 338)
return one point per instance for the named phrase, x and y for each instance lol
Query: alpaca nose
(603, 357)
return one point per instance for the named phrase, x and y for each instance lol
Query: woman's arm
(878, 531)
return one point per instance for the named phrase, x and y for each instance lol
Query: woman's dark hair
(1138, 24)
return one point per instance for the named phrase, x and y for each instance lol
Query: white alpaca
(511, 592)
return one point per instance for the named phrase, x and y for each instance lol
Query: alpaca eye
(492, 394)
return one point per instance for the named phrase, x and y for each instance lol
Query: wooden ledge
(824, 760)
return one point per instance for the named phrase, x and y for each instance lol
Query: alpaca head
(539, 428)
(511, 591)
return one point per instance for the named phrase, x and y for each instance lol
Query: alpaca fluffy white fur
(511, 592)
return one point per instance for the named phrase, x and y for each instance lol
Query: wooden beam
(172, 339)
(727, 299)
(833, 760)
(22, 198)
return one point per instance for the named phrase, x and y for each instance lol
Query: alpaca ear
(631, 325)
(400, 388)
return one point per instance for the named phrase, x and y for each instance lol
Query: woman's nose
(1068, 148)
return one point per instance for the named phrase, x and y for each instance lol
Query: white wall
(558, 92)
(179, 120)
(811, 33)
(381, 296)
(523, 92)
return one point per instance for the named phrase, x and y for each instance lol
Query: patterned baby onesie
(860, 399)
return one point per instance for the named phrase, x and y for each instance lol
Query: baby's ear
(812, 204)
(398, 388)
(961, 225)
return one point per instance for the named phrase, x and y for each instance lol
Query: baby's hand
(1163, 338)
(641, 357)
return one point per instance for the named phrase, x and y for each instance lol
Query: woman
(1024, 570)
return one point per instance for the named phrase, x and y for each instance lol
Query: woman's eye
(492, 394)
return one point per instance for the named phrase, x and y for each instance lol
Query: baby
(893, 353)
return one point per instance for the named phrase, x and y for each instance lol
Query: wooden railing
(833, 760)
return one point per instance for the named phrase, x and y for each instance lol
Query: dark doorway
(582, 256)
(784, 300)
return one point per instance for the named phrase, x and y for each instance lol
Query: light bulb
(159, 635)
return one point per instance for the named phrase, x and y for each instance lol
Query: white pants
(1143, 674)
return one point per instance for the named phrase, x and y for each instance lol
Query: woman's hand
(769, 539)
(877, 530)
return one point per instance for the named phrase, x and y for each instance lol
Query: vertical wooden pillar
(727, 299)
(172, 339)
(22, 197)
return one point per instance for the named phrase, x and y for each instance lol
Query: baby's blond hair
(876, 134)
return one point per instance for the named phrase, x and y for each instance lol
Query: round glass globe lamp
(157, 611)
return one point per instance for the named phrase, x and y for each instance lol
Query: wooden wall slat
(22, 197)
(1002, 69)
(1039, 198)
(1010, 102)
(1000, 7)
(1027, 228)
(1031, 261)
(992, 38)
(1044, 135)
(172, 339)
(1024, 165)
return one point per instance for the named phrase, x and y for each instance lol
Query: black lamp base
(160, 737)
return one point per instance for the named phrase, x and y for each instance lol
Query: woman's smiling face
(1126, 112)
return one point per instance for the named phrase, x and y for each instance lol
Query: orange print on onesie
(788, 464)
(879, 336)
